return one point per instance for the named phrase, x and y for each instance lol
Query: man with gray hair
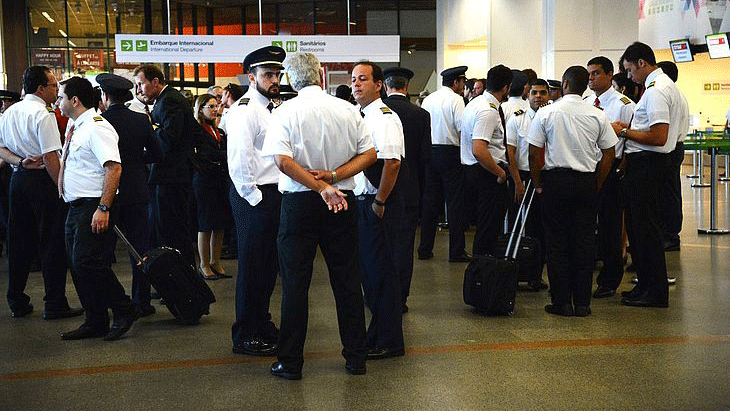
(319, 142)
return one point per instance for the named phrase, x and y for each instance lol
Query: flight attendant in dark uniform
(210, 186)
(137, 146)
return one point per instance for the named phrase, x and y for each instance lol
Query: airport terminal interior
(619, 357)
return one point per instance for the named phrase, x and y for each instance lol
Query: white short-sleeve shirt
(29, 128)
(387, 132)
(617, 107)
(446, 109)
(246, 125)
(317, 131)
(513, 104)
(660, 103)
(517, 128)
(573, 133)
(482, 122)
(94, 142)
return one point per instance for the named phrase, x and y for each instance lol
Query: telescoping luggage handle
(519, 220)
(130, 248)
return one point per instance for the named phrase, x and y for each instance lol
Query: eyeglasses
(212, 106)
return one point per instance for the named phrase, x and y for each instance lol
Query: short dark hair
(622, 81)
(498, 77)
(34, 77)
(531, 75)
(377, 70)
(540, 82)
(150, 72)
(118, 95)
(638, 51)
(396, 82)
(469, 84)
(602, 61)
(80, 88)
(519, 79)
(448, 82)
(234, 90)
(670, 69)
(577, 78)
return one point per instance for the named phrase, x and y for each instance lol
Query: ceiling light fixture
(72, 43)
(45, 14)
(63, 33)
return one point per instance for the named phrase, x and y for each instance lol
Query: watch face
(103, 207)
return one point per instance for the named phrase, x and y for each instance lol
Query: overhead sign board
(159, 48)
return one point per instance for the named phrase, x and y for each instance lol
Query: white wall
(517, 34)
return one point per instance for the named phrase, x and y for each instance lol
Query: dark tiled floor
(618, 358)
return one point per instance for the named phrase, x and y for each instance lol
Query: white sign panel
(160, 48)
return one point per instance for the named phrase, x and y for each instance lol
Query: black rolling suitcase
(186, 294)
(529, 253)
(490, 283)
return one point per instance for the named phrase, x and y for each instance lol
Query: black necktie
(504, 131)
(362, 114)
(270, 107)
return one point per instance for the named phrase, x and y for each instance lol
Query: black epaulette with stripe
(386, 110)
(519, 112)
(98, 118)
(651, 84)
(626, 100)
(243, 101)
(50, 110)
(492, 105)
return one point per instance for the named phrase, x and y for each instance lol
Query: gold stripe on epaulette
(519, 112)
(625, 100)
(243, 101)
(50, 110)
(386, 110)
(492, 105)
(651, 84)
(97, 118)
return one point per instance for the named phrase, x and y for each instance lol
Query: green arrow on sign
(127, 45)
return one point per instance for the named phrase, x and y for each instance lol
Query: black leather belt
(81, 201)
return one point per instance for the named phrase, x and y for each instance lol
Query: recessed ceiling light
(72, 43)
(48, 17)
(63, 33)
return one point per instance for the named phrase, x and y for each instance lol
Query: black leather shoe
(633, 294)
(22, 311)
(220, 274)
(582, 311)
(355, 369)
(565, 310)
(671, 246)
(255, 346)
(84, 331)
(119, 328)
(382, 353)
(269, 333)
(143, 310)
(461, 258)
(643, 302)
(278, 369)
(603, 292)
(67, 313)
(425, 256)
(211, 277)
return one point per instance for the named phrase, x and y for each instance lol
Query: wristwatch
(20, 163)
(103, 207)
(378, 202)
(623, 132)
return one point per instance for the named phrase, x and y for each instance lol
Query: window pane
(295, 18)
(47, 22)
(331, 17)
(87, 22)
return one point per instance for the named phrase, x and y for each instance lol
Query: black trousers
(645, 173)
(90, 259)
(133, 222)
(381, 284)
(171, 226)
(671, 212)
(404, 244)
(445, 174)
(305, 224)
(534, 227)
(35, 227)
(258, 263)
(610, 222)
(569, 217)
(492, 201)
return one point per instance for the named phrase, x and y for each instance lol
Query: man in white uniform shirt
(484, 156)
(255, 202)
(30, 142)
(617, 107)
(651, 135)
(515, 101)
(518, 153)
(88, 181)
(319, 142)
(379, 192)
(445, 174)
(575, 135)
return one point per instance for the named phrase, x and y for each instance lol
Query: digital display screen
(681, 51)
(717, 45)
